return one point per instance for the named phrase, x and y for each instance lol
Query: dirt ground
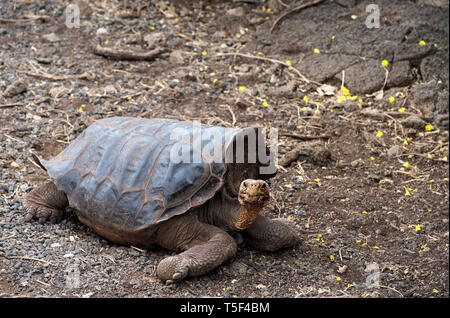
(362, 119)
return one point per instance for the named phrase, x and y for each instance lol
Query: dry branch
(10, 105)
(128, 55)
(85, 75)
(305, 137)
(26, 18)
(296, 9)
(273, 61)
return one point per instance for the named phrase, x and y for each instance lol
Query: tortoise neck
(247, 217)
(221, 211)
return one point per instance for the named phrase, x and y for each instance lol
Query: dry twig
(273, 61)
(127, 55)
(305, 137)
(10, 105)
(52, 77)
(296, 9)
(31, 259)
(26, 18)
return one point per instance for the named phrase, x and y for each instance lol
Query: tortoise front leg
(204, 247)
(45, 202)
(272, 234)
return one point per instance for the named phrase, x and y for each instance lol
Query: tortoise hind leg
(45, 202)
(204, 247)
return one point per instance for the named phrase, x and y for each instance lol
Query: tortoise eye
(245, 184)
(263, 186)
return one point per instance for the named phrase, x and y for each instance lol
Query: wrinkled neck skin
(222, 211)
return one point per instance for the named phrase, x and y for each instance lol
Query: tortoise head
(253, 196)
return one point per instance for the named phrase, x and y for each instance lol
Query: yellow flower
(428, 127)
(341, 99)
(268, 10)
(435, 291)
(405, 142)
(345, 91)
(401, 110)
(305, 99)
(406, 164)
(204, 53)
(392, 99)
(364, 212)
(418, 228)
(422, 42)
(354, 16)
(338, 279)
(288, 62)
(372, 158)
(379, 134)
(385, 63)
(444, 159)
(358, 241)
(407, 193)
(316, 51)
(106, 42)
(333, 37)
(242, 88)
(215, 81)
(151, 28)
(260, 53)
(332, 257)
(265, 104)
(430, 155)
(80, 110)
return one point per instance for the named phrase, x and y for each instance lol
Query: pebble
(15, 88)
(101, 31)
(261, 287)
(236, 12)
(51, 37)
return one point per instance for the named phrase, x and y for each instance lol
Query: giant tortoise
(159, 182)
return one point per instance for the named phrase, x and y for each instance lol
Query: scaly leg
(45, 202)
(272, 234)
(204, 247)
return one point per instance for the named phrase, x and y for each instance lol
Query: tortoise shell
(120, 171)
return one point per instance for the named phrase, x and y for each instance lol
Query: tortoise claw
(173, 268)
